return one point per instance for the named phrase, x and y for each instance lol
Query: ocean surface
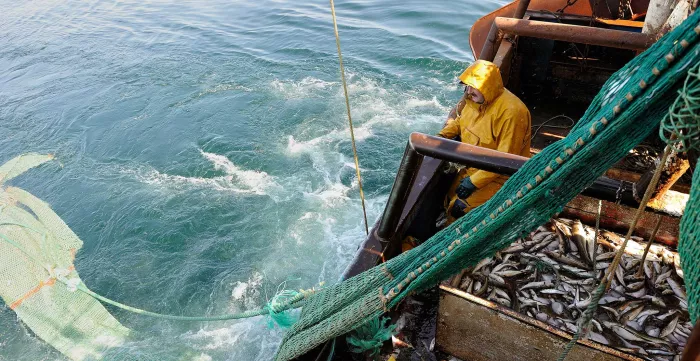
(203, 148)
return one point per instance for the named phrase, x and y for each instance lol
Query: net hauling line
(275, 308)
(347, 106)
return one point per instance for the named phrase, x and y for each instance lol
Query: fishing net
(37, 250)
(689, 248)
(682, 127)
(626, 110)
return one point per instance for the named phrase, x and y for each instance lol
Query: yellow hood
(484, 76)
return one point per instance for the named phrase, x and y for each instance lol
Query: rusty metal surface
(478, 32)
(480, 29)
(503, 59)
(475, 329)
(575, 34)
(617, 218)
(629, 176)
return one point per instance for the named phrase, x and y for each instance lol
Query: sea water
(203, 150)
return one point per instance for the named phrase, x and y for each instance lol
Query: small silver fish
(636, 286)
(631, 335)
(536, 285)
(605, 256)
(653, 331)
(503, 294)
(669, 328)
(612, 310)
(677, 289)
(557, 307)
(677, 267)
(553, 291)
(528, 302)
(657, 352)
(514, 248)
(646, 313)
(481, 264)
(542, 317)
(632, 314)
(511, 273)
(655, 301)
(593, 336)
(662, 277)
(641, 293)
(649, 271)
(667, 314)
(633, 325)
(497, 280)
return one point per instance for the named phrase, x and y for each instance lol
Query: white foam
(249, 290)
(424, 103)
(324, 141)
(303, 88)
(202, 357)
(257, 181)
(331, 195)
(236, 179)
(221, 338)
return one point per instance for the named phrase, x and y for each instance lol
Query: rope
(544, 124)
(646, 249)
(584, 321)
(283, 301)
(347, 106)
(597, 229)
(270, 308)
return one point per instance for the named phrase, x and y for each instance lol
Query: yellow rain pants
(501, 123)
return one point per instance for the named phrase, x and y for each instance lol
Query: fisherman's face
(474, 95)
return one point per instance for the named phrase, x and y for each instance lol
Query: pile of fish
(551, 276)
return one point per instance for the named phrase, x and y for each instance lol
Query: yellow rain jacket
(502, 123)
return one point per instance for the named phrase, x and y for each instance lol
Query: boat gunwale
(535, 323)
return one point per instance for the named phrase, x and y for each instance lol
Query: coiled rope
(347, 106)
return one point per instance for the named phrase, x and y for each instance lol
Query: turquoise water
(204, 149)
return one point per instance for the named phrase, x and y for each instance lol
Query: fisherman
(488, 116)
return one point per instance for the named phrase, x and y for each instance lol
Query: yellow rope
(347, 105)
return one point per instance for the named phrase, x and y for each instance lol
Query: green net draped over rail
(626, 110)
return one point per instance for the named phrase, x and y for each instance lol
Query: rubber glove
(466, 188)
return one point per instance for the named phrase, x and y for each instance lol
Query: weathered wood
(617, 218)
(474, 329)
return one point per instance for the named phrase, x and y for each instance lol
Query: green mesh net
(689, 248)
(38, 278)
(626, 110)
(683, 121)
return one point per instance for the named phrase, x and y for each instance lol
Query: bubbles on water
(248, 293)
(304, 88)
(235, 179)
